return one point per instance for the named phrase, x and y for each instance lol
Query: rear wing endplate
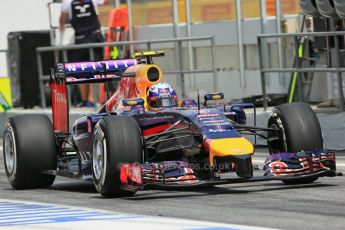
(78, 73)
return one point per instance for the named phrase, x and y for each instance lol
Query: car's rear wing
(65, 74)
(78, 73)
(92, 72)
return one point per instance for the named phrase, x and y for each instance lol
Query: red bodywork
(59, 99)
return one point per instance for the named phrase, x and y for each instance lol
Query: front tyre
(116, 140)
(29, 151)
(299, 130)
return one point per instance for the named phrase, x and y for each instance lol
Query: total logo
(59, 97)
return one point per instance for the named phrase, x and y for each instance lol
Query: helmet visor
(163, 102)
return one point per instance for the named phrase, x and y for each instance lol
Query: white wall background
(25, 15)
(20, 15)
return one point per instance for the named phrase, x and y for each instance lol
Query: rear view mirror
(213, 96)
(133, 102)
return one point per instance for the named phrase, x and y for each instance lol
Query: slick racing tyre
(299, 130)
(116, 140)
(29, 151)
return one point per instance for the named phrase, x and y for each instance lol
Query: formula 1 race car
(144, 137)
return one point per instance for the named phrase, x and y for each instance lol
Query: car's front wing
(178, 174)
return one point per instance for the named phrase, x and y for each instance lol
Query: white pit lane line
(15, 214)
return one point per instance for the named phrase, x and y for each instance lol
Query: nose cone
(230, 147)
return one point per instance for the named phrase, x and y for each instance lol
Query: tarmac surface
(269, 204)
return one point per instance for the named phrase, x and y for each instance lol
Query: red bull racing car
(144, 137)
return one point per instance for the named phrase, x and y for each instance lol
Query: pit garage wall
(225, 33)
(227, 61)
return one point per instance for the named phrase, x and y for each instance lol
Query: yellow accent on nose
(230, 147)
(132, 102)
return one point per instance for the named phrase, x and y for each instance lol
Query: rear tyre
(299, 129)
(29, 150)
(116, 140)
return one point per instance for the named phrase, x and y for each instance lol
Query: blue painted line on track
(31, 210)
(40, 215)
(64, 219)
(17, 213)
(22, 205)
(5, 207)
(24, 214)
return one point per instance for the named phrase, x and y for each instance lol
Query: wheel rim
(10, 151)
(98, 154)
(280, 144)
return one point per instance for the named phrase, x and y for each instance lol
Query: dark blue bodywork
(210, 123)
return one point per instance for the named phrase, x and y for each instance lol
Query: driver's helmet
(161, 95)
